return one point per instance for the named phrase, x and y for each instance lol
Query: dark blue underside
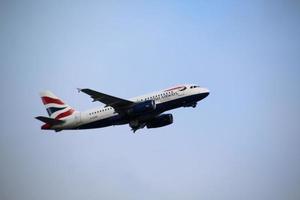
(160, 108)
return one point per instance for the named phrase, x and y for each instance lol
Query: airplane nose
(205, 90)
(203, 93)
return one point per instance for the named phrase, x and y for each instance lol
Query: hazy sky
(241, 142)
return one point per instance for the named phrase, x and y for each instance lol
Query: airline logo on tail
(55, 107)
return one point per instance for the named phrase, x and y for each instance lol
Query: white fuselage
(101, 113)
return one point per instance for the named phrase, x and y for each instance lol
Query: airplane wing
(108, 100)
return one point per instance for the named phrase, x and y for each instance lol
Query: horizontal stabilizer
(50, 121)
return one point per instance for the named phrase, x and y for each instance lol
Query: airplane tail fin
(55, 107)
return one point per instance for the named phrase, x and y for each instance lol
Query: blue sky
(241, 142)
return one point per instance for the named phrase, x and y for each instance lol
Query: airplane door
(181, 91)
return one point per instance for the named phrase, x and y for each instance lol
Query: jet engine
(159, 121)
(142, 107)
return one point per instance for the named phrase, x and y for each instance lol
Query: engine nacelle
(160, 121)
(142, 107)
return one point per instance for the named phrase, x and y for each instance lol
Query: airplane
(139, 112)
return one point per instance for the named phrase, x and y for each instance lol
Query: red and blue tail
(55, 107)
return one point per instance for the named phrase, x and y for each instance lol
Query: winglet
(79, 90)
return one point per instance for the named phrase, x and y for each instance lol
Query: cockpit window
(194, 86)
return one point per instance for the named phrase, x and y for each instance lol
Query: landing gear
(194, 105)
(134, 129)
(136, 125)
